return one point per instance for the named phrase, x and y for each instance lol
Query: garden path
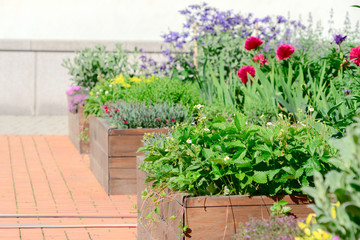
(46, 175)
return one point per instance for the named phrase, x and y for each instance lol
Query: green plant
(84, 135)
(279, 209)
(90, 65)
(104, 91)
(141, 115)
(220, 158)
(337, 195)
(163, 89)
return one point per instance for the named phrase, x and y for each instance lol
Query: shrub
(141, 115)
(163, 89)
(219, 157)
(337, 195)
(90, 65)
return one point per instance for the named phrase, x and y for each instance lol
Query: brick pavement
(46, 175)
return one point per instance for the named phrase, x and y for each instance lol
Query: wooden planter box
(79, 130)
(208, 218)
(113, 155)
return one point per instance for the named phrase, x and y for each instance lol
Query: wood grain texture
(77, 124)
(122, 186)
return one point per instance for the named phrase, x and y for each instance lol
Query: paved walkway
(46, 175)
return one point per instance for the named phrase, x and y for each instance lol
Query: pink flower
(355, 55)
(126, 121)
(284, 51)
(252, 43)
(173, 120)
(260, 59)
(244, 71)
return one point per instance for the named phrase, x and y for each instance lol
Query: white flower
(97, 93)
(206, 129)
(110, 85)
(269, 124)
(189, 141)
(166, 150)
(226, 158)
(311, 109)
(302, 124)
(106, 92)
(203, 118)
(262, 116)
(281, 115)
(101, 90)
(198, 106)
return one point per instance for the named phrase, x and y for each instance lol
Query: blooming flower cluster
(284, 51)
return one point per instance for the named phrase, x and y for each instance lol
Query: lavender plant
(279, 228)
(141, 115)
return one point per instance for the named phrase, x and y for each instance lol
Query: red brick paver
(46, 175)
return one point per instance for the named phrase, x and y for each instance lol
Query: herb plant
(280, 209)
(90, 65)
(141, 115)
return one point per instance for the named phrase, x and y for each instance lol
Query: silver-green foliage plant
(337, 195)
(141, 115)
(91, 64)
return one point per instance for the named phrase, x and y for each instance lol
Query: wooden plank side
(99, 163)
(74, 130)
(123, 186)
(124, 145)
(122, 173)
(122, 162)
(208, 201)
(83, 130)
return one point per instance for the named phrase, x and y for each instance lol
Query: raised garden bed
(79, 130)
(215, 217)
(113, 155)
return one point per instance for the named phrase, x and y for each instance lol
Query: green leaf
(260, 177)
(282, 202)
(272, 173)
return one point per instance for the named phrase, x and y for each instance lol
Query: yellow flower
(301, 225)
(333, 212)
(298, 238)
(309, 218)
(307, 231)
(91, 93)
(337, 204)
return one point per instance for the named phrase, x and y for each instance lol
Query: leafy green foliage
(90, 65)
(337, 195)
(220, 157)
(164, 89)
(280, 209)
(141, 115)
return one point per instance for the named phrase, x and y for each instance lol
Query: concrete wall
(32, 80)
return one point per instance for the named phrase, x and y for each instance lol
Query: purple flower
(76, 100)
(73, 90)
(281, 19)
(339, 38)
(347, 92)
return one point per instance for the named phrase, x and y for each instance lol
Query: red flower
(166, 121)
(260, 59)
(355, 55)
(173, 120)
(284, 51)
(157, 120)
(244, 71)
(252, 43)
(126, 121)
